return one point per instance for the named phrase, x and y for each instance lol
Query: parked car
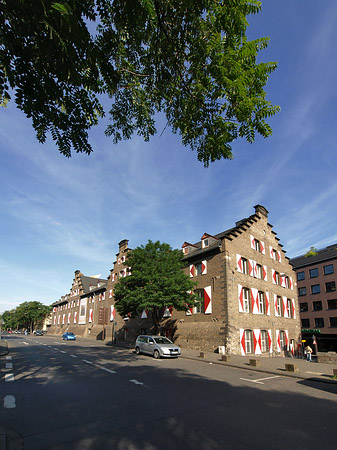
(38, 333)
(157, 346)
(69, 336)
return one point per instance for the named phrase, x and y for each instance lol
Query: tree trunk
(155, 319)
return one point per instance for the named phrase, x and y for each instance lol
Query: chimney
(259, 209)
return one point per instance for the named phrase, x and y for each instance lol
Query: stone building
(248, 299)
(316, 282)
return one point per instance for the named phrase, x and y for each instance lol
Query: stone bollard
(255, 362)
(335, 373)
(202, 355)
(291, 368)
(225, 358)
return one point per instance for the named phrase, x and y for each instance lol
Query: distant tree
(190, 60)
(30, 315)
(9, 320)
(156, 282)
(312, 252)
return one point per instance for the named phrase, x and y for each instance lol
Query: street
(82, 395)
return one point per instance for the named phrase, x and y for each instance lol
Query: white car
(157, 346)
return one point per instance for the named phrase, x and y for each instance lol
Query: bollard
(255, 362)
(335, 373)
(291, 368)
(225, 358)
(202, 354)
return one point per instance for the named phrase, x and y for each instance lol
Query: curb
(261, 370)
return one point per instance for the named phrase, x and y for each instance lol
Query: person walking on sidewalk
(308, 351)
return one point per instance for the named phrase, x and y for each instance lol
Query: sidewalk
(272, 365)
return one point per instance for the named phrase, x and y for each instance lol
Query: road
(80, 395)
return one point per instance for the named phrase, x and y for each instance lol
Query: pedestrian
(308, 351)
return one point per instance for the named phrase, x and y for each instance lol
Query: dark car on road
(157, 346)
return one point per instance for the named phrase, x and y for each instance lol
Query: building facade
(316, 275)
(247, 289)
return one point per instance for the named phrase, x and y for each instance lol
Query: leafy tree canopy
(156, 281)
(190, 60)
(27, 315)
(312, 252)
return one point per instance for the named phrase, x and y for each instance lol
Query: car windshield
(162, 340)
(70, 334)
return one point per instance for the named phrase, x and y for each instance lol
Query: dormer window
(185, 251)
(205, 243)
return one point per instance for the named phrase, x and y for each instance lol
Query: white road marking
(86, 361)
(9, 377)
(26, 343)
(9, 365)
(107, 370)
(136, 382)
(62, 351)
(9, 358)
(259, 381)
(73, 356)
(9, 401)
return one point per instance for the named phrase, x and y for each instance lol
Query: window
(248, 341)
(278, 306)
(317, 306)
(300, 276)
(302, 291)
(274, 254)
(313, 273)
(197, 269)
(244, 265)
(277, 278)
(315, 288)
(303, 307)
(205, 243)
(330, 286)
(199, 308)
(305, 323)
(333, 322)
(319, 322)
(262, 303)
(257, 245)
(332, 304)
(282, 340)
(328, 269)
(289, 308)
(264, 341)
(259, 271)
(287, 281)
(245, 295)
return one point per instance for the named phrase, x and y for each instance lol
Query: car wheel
(156, 354)
(137, 350)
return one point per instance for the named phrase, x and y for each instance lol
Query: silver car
(157, 346)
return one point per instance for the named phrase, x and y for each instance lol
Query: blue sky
(59, 215)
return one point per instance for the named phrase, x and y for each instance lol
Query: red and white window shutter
(251, 267)
(242, 342)
(255, 301)
(264, 273)
(191, 270)
(91, 313)
(240, 293)
(285, 307)
(278, 340)
(63, 319)
(273, 276)
(208, 300)
(267, 303)
(276, 308)
(203, 267)
(270, 341)
(252, 242)
(293, 307)
(287, 339)
(112, 313)
(283, 280)
(239, 263)
(75, 317)
(257, 342)
(69, 317)
(279, 256)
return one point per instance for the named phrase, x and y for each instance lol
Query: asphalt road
(81, 395)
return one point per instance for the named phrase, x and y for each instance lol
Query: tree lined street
(82, 395)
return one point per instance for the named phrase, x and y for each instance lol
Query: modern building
(316, 274)
(248, 296)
